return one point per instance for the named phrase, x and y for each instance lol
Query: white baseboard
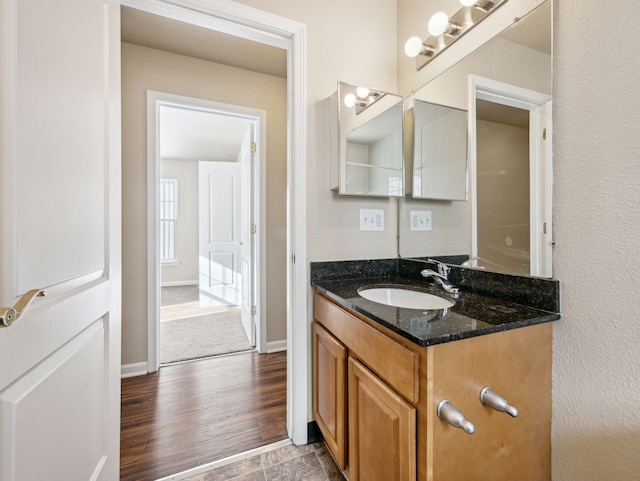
(276, 346)
(141, 368)
(178, 283)
(134, 369)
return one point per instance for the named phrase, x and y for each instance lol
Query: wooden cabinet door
(329, 391)
(382, 430)
(517, 365)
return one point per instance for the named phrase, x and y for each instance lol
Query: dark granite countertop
(472, 315)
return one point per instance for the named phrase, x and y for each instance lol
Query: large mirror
(370, 142)
(505, 85)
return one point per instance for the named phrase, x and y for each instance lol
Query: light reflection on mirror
(521, 57)
(370, 137)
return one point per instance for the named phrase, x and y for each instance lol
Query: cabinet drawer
(394, 363)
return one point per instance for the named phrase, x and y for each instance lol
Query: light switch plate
(371, 219)
(420, 220)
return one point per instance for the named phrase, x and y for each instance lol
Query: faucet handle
(443, 269)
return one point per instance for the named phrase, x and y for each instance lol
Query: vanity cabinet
(387, 390)
(381, 422)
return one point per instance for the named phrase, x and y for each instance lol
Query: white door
(541, 191)
(60, 217)
(247, 237)
(219, 264)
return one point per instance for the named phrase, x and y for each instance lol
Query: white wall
(142, 69)
(596, 373)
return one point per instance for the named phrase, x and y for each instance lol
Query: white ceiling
(533, 30)
(195, 135)
(191, 134)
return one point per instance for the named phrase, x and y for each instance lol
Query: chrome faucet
(441, 277)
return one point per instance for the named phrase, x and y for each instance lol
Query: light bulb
(467, 3)
(349, 100)
(438, 24)
(362, 92)
(413, 47)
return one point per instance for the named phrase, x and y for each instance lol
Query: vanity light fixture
(445, 31)
(362, 99)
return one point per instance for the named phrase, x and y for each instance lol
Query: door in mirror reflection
(502, 163)
(510, 178)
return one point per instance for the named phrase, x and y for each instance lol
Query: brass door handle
(8, 315)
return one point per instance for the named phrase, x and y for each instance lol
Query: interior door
(541, 191)
(219, 276)
(248, 304)
(60, 217)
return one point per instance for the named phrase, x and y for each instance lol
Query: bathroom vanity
(386, 379)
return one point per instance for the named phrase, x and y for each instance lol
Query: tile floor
(311, 462)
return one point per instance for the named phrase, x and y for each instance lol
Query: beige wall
(596, 374)
(144, 69)
(503, 197)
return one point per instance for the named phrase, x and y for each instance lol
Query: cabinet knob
(448, 412)
(489, 397)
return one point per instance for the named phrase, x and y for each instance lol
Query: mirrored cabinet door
(369, 142)
(440, 152)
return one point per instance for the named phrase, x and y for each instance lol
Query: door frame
(540, 164)
(267, 28)
(257, 117)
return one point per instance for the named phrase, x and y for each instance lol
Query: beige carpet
(188, 331)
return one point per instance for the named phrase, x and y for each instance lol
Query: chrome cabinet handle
(448, 412)
(489, 397)
(9, 315)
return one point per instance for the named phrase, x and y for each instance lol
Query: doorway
(143, 68)
(510, 177)
(263, 28)
(206, 156)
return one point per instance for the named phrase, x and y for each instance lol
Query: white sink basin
(399, 297)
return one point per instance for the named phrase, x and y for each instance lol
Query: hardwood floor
(189, 414)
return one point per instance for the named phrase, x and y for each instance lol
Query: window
(168, 216)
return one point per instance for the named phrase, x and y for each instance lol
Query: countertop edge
(454, 336)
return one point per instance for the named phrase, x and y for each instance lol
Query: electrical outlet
(371, 220)
(420, 220)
